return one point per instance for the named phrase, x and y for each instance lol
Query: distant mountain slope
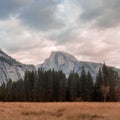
(68, 63)
(12, 69)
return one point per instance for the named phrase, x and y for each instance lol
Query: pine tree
(82, 83)
(18, 91)
(8, 96)
(62, 87)
(113, 77)
(41, 86)
(98, 84)
(2, 92)
(89, 88)
(48, 86)
(105, 75)
(29, 85)
(105, 84)
(72, 87)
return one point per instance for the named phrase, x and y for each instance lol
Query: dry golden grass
(60, 111)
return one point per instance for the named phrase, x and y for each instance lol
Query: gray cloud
(11, 7)
(37, 28)
(64, 36)
(42, 15)
(104, 13)
(37, 15)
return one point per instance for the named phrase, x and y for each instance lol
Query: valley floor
(60, 111)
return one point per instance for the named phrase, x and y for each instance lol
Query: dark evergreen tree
(89, 88)
(72, 87)
(105, 75)
(82, 84)
(48, 86)
(105, 84)
(8, 96)
(40, 86)
(99, 82)
(3, 92)
(62, 87)
(113, 77)
(18, 91)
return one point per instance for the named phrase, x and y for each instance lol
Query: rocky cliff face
(68, 63)
(12, 69)
(60, 61)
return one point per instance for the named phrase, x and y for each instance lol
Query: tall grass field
(60, 111)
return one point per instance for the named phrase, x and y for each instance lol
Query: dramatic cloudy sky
(88, 29)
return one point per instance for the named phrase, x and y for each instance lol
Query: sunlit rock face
(12, 69)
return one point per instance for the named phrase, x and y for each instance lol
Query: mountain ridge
(12, 69)
(59, 60)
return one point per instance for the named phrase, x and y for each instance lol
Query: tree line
(53, 86)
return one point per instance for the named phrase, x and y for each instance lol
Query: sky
(88, 29)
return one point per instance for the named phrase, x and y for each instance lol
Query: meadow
(60, 111)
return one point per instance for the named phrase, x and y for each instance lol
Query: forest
(53, 86)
